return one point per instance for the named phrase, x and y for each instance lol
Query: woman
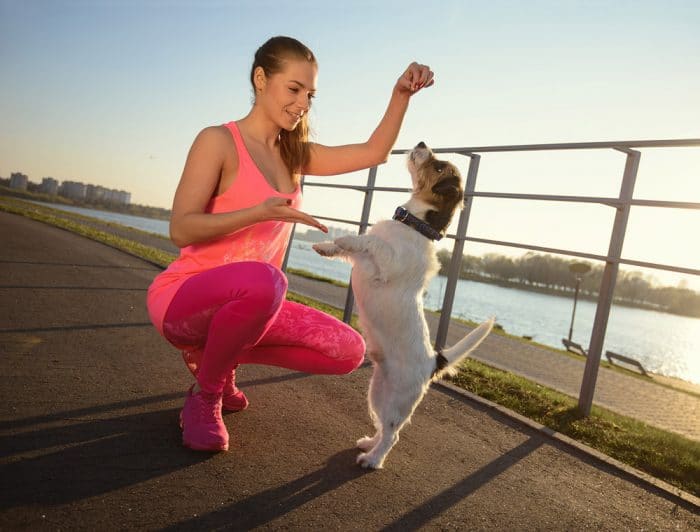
(222, 302)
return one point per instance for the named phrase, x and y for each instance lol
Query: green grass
(664, 455)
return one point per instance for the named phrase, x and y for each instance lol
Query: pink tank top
(263, 242)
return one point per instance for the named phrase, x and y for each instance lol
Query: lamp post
(578, 269)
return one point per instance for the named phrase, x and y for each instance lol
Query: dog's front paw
(369, 461)
(366, 443)
(327, 249)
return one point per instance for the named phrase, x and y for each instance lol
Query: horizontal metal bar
(392, 189)
(546, 197)
(676, 143)
(351, 222)
(360, 188)
(587, 199)
(671, 204)
(537, 248)
(538, 197)
(653, 265)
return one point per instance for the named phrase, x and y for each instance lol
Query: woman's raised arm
(331, 160)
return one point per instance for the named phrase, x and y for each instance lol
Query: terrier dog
(392, 265)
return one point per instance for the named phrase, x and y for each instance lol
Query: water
(145, 224)
(664, 343)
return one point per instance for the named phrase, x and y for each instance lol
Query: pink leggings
(237, 314)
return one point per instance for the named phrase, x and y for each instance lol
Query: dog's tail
(446, 361)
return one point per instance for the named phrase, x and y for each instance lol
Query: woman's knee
(354, 353)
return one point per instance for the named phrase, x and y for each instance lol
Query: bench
(573, 347)
(610, 355)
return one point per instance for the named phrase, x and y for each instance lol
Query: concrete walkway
(89, 439)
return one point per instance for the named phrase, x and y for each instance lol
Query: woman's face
(286, 96)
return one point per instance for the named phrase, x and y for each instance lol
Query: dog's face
(436, 183)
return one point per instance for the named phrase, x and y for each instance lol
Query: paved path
(89, 439)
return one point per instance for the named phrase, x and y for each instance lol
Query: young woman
(222, 302)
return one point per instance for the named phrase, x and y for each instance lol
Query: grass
(664, 455)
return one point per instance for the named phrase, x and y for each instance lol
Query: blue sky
(113, 93)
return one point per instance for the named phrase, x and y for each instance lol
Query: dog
(392, 265)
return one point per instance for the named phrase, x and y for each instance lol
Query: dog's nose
(421, 144)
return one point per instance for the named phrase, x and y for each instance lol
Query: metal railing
(612, 260)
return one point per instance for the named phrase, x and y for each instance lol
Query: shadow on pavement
(423, 514)
(91, 457)
(268, 505)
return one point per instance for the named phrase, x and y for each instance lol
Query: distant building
(73, 190)
(96, 193)
(49, 186)
(19, 181)
(123, 197)
(99, 194)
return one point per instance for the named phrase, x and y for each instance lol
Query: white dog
(392, 265)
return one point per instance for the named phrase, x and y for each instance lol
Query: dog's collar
(405, 217)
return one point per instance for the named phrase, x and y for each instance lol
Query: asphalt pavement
(89, 437)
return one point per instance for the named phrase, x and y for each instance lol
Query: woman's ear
(259, 79)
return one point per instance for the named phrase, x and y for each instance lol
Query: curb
(691, 502)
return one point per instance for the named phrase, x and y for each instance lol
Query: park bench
(610, 355)
(573, 347)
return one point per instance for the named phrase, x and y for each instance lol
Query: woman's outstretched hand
(415, 78)
(280, 209)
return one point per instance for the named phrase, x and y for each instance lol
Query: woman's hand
(280, 209)
(415, 78)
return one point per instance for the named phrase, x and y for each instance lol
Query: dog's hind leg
(393, 415)
(373, 399)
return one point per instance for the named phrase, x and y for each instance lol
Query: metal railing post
(457, 250)
(291, 235)
(364, 223)
(607, 285)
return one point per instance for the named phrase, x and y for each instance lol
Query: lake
(664, 343)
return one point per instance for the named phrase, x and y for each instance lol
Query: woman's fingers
(309, 220)
(281, 209)
(416, 77)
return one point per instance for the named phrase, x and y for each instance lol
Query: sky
(114, 92)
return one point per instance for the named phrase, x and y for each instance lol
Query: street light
(578, 269)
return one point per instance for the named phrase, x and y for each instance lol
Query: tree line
(552, 274)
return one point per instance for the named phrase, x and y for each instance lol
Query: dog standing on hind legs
(392, 265)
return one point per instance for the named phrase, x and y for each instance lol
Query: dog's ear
(448, 188)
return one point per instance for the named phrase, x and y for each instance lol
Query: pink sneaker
(201, 423)
(233, 400)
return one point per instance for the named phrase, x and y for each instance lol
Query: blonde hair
(294, 145)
